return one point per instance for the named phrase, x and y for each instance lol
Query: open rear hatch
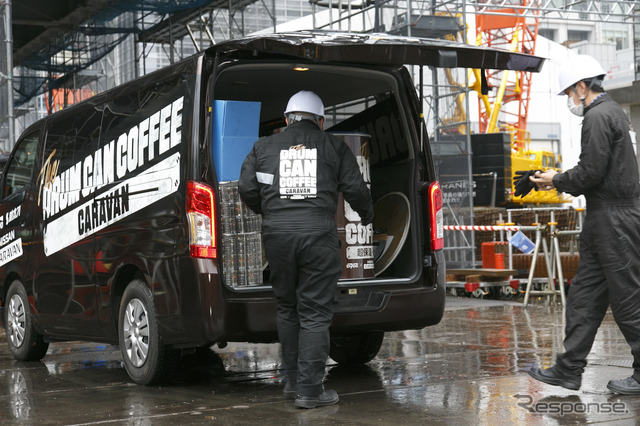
(378, 49)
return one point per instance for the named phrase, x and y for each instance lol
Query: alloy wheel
(16, 320)
(136, 332)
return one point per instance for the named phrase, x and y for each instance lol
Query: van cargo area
(361, 106)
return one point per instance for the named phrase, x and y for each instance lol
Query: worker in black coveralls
(293, 179)
(609, 268)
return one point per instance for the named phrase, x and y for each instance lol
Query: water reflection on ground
(470, 369)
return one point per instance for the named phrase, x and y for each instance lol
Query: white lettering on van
(87, 176)
(121, 200)
(119, 158)
(12, 215)
(121, 155)
(6, 238)
(176, 121)
(132, 149)
(105, 209)
(165, 130)
(10, 252)
(108, 171)
(47, 173)
(154, 133)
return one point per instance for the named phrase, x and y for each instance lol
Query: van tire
(355, 349)
(24, 342)
(147, 360)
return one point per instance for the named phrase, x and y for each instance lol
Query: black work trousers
(305, 266)
(608, 275)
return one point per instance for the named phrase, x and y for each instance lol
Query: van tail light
(201, 217)
(435, 216)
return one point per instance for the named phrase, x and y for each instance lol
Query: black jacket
(607, 169)
(296, 176)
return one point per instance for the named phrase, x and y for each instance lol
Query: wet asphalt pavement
(468, 370)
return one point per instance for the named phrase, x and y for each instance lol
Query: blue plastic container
(235, 130)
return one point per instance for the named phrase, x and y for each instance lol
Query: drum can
(356, 240)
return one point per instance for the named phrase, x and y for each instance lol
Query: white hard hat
(305, 101)
(577, 69)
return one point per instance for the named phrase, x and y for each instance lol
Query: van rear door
(380, 49)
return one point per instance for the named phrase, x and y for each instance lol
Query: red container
(489, 252)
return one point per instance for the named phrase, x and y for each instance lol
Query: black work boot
(289, 390)
(552, 376)
(628, 386)
(327, 397)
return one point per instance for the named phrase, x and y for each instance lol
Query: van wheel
(147, 360)
(25, 343)
(356, 348)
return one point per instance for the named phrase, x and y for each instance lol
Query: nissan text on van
(120, 220)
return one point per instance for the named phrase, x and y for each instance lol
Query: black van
(121, 223)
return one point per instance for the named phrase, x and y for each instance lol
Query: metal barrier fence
(554, 283)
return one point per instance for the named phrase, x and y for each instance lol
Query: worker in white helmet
(609, 268)
(293, 179)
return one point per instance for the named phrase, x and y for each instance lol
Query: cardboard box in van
(120, 220)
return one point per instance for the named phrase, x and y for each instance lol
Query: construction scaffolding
(61, 55)
(7, 123)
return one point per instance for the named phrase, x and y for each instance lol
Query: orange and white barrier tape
(481, 228)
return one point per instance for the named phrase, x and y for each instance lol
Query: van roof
(379, 49)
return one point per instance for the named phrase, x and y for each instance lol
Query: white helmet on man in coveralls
(581, 67)
(305, 101)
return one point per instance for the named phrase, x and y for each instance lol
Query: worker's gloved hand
(522, 183)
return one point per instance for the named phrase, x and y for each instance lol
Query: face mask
(575, 109)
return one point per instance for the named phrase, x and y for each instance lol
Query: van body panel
(153, 241)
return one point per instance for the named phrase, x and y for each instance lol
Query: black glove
(522, 183)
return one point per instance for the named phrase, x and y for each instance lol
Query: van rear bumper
(410, 308)
(407, 308)
(217, 315)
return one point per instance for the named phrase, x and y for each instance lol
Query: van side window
(73, 138)
(20, 168)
